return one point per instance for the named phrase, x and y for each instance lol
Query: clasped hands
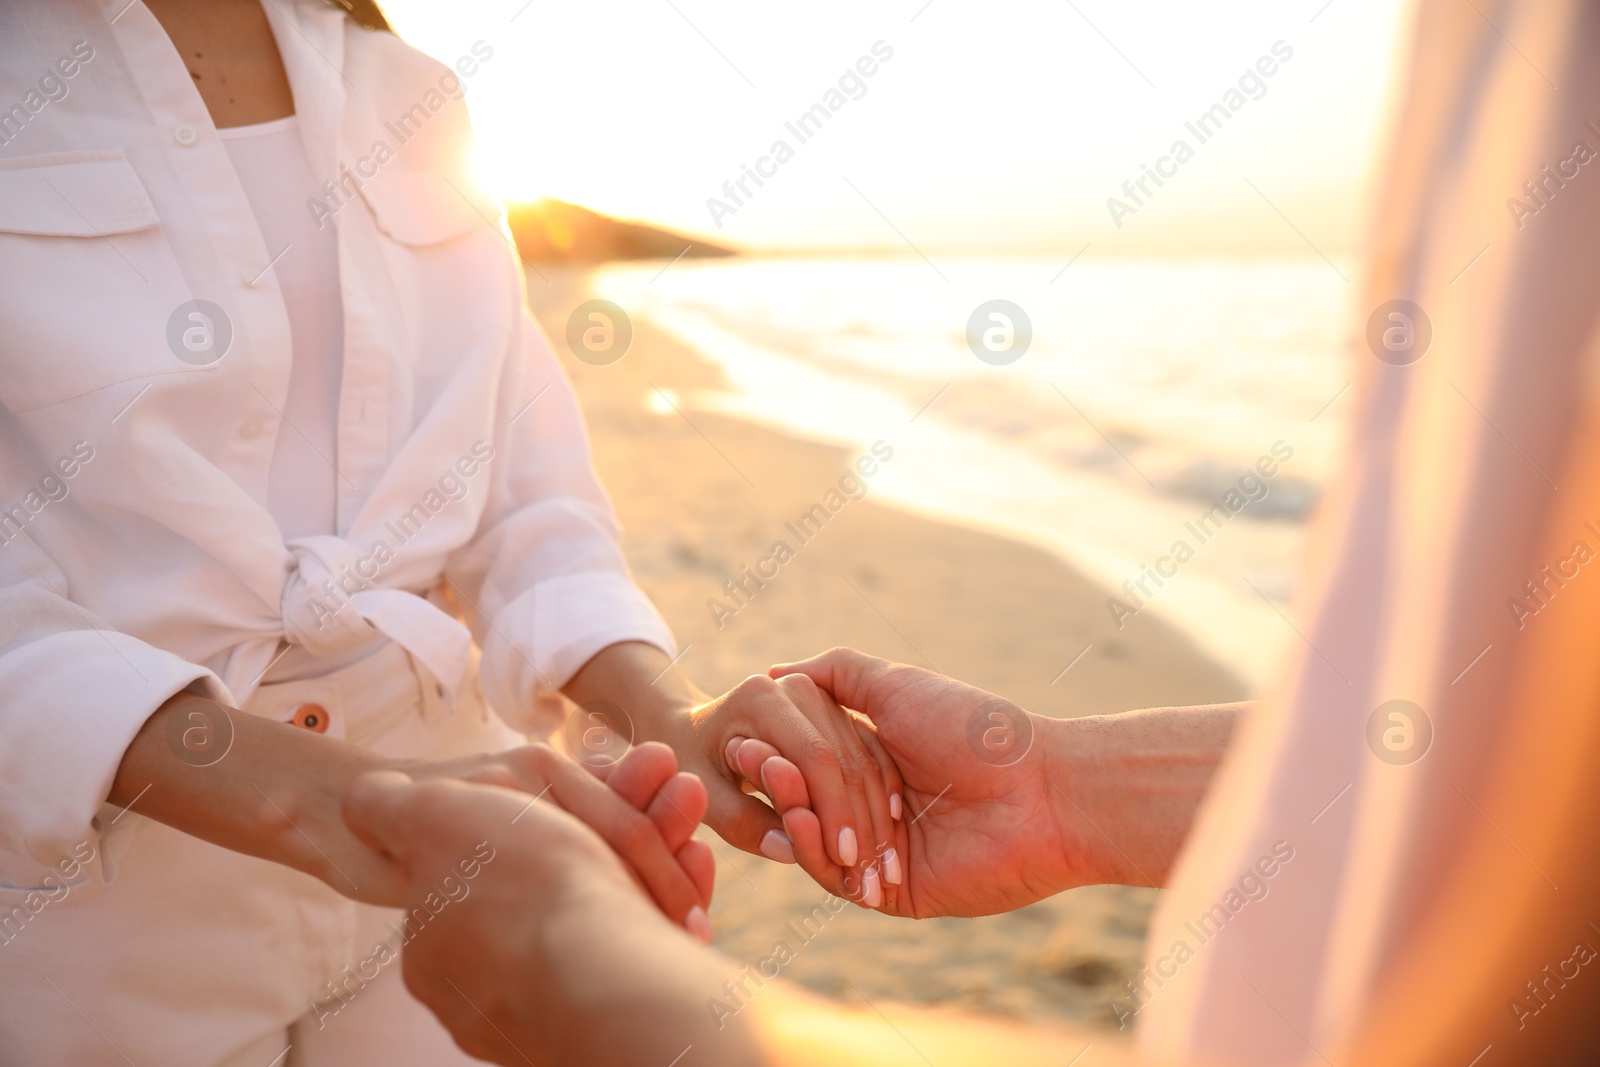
(895, 787)
(871, 783)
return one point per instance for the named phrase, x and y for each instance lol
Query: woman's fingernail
(698, 923)
(895, 808)
(891, 867)
(731, 753)
(847, 847)
(775, 845)
(871, 888)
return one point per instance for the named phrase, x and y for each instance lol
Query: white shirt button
(186, 135)
(250, 427)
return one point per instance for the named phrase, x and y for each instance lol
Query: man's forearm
(1128, 786)
(587, 962)
(796, 1029)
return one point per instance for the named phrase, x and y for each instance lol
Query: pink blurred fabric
(1448, 504)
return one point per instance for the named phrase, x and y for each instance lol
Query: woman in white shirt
(272, 417)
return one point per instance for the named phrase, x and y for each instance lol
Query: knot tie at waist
(329, 606)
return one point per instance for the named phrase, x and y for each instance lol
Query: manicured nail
(847, 847)
(731, 754)
(775, 845)
(871, 888)
(894, 806)
(891, 867)
(698, 923)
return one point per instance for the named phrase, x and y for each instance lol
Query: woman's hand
(847, 784)
(274, 791)
(850, 785)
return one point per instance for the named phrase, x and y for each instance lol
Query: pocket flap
(73, 194)
(424, 207)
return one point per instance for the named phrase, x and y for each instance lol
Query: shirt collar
(311, 37)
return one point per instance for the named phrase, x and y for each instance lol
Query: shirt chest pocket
(425, 208)
(451, 271)
(86, 279)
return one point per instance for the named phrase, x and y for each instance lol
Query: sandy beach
(701, 495)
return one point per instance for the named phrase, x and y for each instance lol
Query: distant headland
(553, 231)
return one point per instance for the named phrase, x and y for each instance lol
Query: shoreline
(705, 497)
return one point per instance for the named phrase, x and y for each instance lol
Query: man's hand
(1004, 808)
(642, 806)
(980, 819)
(554, 955)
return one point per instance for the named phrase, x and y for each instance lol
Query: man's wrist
(1126, 787)
(1080, 797)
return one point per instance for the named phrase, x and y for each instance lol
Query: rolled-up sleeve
(76, 693)
(546, 578)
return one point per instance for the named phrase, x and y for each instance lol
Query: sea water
(1152, 394)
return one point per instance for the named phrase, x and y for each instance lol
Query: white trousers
(189, 954)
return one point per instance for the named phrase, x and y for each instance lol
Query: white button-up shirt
(144, 359)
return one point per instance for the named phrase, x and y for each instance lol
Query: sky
(984, 125)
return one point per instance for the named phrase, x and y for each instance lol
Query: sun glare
(633, 112)
(504, 171)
